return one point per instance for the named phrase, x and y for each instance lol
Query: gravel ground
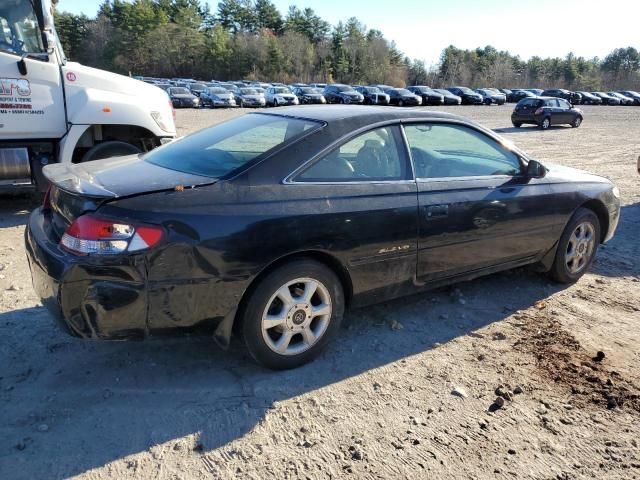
(409, 389)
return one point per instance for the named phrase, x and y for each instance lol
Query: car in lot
(468, 96)
(607, 99)
(183, 98)
(631, 94)
(270, 225)
(250, 97)
(309, 95)
(339, 93)
(518, 94)
(372, 95)
(624, 100)
(545, 112)
(428, 95)
(572, 97)
(217, 97)
(588, 98)
(448, 97)
(402, 97)
(491, 97)
(279, 96)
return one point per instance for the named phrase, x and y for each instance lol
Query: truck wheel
(114, 148)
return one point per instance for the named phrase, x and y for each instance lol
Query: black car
(624, 100)
(607, 99)
(518, 94)
(403, 97)
(589, 98)
(468, 96)
(338, 93)
(309, 94)
(373, 95)
(572, 97)
(428, 95)
(491, 97)
(546, 111)
(270, 225)
(448, 97)
(506, 92)
(182, 98)
(635, 96)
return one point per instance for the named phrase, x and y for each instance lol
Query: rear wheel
(114, 148)
(400, 103)
(487, 101)
(546, 123)
(577, 247)
(576, 122)
(292, 314)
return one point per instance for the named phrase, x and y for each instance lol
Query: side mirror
(535, 169)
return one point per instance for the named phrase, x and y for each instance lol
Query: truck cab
(53, 110)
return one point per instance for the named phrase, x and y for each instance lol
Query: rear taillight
(89, 235)
(539, 111)
(46, 201)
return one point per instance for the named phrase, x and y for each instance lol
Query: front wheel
(577, 247)
(113, 148)
(546, 123)
(292, 314)
(400, 103)
(576, 122)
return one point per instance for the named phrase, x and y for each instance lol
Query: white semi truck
(52, 110)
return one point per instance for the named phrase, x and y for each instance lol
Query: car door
(365, 197)
(565, 111)
(477, 210)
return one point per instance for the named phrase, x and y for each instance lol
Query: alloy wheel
(580, 247)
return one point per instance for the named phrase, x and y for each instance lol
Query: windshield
(465, 90)
(308, 90)
(218, 91)
(179, 91)
(442, 91)
(403, 91)
(345, 88)
(248, 91)
(198, 86)
(19, 30)
(219, 150)
(281, 90)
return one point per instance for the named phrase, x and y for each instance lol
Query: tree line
(252, 39)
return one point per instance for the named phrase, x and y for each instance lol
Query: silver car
(217, 97)
(280, 96)
(250, 97)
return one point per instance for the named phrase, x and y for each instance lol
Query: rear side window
(221, 149)
(529, 102)
(372, 156)
(446, 151)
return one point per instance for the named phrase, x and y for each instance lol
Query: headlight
(616, 191)
(160, 121)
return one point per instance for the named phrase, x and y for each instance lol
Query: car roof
(360, 113)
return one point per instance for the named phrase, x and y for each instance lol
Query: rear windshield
(180, 91)
(221, 149)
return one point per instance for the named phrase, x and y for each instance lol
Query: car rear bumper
(89, 300)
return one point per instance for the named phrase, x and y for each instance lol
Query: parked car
(607, 99)
(572, 97)
(519, 94)
(631, 94)
(250, 97)
(287, 219)
(309, 95)
(546, 111)
(217, 97)
(339, 93)
(589, 98)
(448, 97)
(468, 96)
(428, 95)
(489, 96)
(403, 97)
(197, 88)
(182, 97)
(373, 95)
(279, 96)
(624, 100)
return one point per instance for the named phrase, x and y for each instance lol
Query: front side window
(372, 156)
(446, 151)
(221, 149)
(564, 104)
(19, 29)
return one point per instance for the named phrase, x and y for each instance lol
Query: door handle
(437, 211)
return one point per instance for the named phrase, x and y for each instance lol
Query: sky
(423, 28)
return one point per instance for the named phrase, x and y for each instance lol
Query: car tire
(546, 123)
(577, 247)
(400, 103)
(241, 104)
(487, 102)
(113, 148)
(517, 124)
(576, 122)
(300, 334)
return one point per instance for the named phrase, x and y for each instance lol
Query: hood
(184, 95)
(560, 173)
(118, 177)
(253, 97)
(96, 96)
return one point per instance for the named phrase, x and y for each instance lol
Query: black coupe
(271, 224)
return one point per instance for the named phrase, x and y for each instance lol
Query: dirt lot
(405, 392)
